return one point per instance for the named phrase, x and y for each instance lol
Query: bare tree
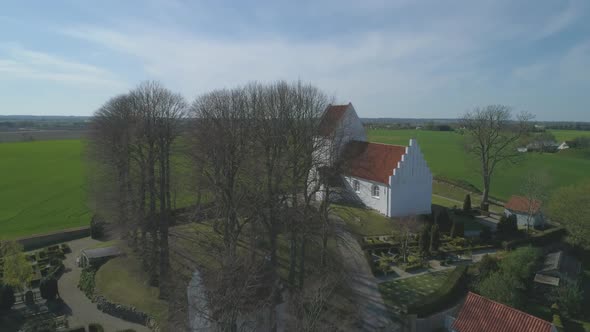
(130, 146)
(409, 227)
(223, 131)
(492, 137)
(534, 189)
(171, 110)
(109, 149)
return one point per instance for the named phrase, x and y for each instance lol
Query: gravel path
(79, 309)
(373, 313)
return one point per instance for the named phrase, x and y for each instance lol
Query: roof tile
(331, 119)
(372, 161)
(521, 204)
(481, 314)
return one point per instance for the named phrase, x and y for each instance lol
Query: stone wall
(44, 240)
(130, 314)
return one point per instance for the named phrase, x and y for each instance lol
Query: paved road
(373, 313)
(79, 309)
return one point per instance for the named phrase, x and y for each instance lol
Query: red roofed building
(526, 211)
(479, 314)
(392, 179)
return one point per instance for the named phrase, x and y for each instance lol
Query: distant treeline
(453, 124)
(568, 125)
(424, 124)
(11, 124)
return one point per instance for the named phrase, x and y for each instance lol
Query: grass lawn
(122, 280)
(455, 193)
(364, 222)
(43, 187)
(205, 247)
(400, 293)
(437, 200)
(446, 157)
(568, 135)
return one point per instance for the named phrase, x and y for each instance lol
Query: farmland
(446, 157)
(42, 187)
(568, 135)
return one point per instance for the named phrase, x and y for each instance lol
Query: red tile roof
(522, 204)
(372, 161)
(480, 314)
(331, 118)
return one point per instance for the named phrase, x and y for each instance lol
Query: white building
(394, 180)
(563, 146)
(527, 212)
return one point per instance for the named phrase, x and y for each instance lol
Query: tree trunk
(486, 192)
(152, 216)
(164, 262)
(292, 258)
(302, 262)
(168, 194)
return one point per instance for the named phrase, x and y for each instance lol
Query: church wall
(411, 184)
(365, 193)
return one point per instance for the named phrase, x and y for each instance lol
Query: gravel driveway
(373, 313)
(80, 311)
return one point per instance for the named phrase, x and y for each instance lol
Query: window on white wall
(356, 185)
(375, 191)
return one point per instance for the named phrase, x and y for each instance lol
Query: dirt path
(79, 309)
(373, 313)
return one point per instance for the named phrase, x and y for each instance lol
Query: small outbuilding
(98, 256)
(563, 146)
(558, 265)
(527, 211)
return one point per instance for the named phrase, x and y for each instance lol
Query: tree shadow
(59, 308)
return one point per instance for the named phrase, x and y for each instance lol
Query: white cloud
(441, 68)
(565, 18)
(19, 62)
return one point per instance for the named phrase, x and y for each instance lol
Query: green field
(446, 157)
(568, 135)
(42, 187)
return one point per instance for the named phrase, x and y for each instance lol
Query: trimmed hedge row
(449, 292)
(87, 281)
(473, 248)
(538, 240)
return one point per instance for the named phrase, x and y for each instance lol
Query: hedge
(369, 258)
(77, 329)
(94, 327)
(449, 292)
(538, 240)
(87, 283)
(557, 322)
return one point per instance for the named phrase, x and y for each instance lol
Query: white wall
(522, 218)
(411, 184)
(365, 193)
(349, 128)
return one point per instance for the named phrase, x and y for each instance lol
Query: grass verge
(122, 280)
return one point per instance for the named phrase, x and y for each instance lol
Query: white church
(392, 179)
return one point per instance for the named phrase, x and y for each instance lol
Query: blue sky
(389, 58)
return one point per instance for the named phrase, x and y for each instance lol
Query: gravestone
(29, 298)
